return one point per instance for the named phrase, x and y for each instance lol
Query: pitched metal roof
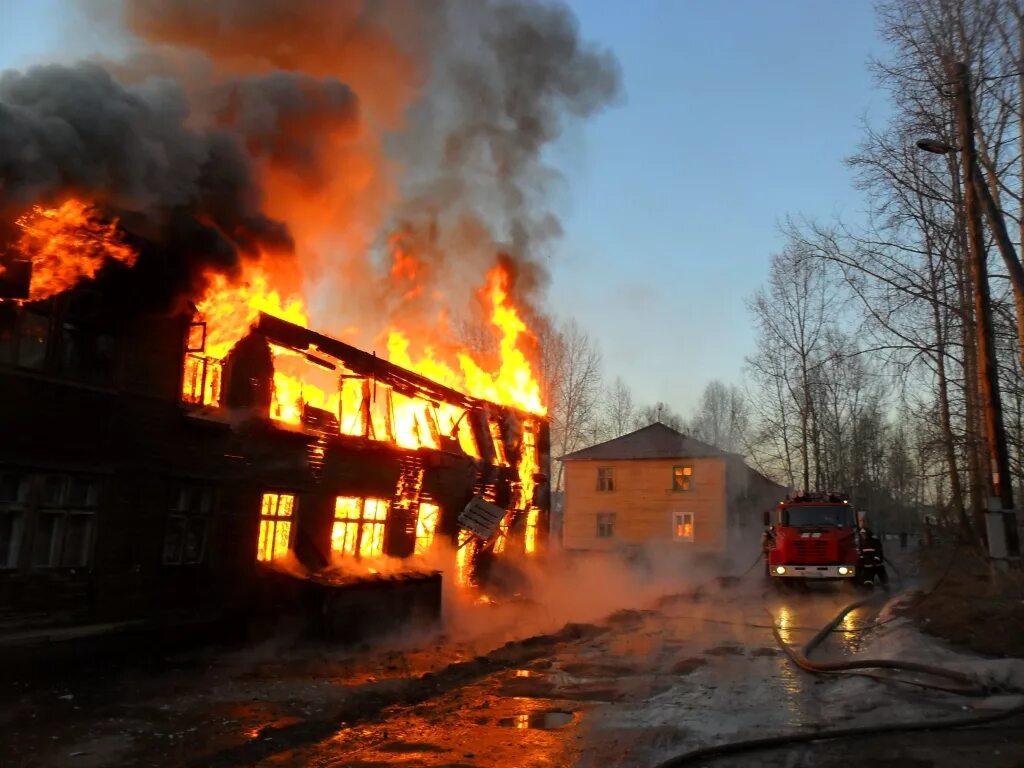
(656, 441)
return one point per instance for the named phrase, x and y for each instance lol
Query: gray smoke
(510, 79)
(466, 96)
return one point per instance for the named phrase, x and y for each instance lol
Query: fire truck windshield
(831, 515)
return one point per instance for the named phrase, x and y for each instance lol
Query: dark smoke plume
(344, 128)
(132, 150)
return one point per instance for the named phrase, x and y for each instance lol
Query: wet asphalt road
(688, 670)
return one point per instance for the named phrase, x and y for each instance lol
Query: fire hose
(820, 733)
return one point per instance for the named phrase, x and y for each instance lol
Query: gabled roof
(656, 441)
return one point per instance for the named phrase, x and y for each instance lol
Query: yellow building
(656, 484)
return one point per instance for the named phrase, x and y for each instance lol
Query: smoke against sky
(663, 228)
(384, 154)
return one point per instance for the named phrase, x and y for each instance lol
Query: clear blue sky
(735, 114)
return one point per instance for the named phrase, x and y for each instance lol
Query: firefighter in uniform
(872, 560)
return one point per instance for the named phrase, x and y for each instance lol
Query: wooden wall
(644, 503)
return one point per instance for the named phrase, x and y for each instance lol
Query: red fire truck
(813, 536)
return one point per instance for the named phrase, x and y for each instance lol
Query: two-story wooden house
(657, 484)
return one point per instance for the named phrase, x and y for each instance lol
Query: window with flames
(682, 478)
(276, 517)
(682, 528)
(359, 526)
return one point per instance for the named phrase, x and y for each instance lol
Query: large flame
(228, 310)
(513, 383)
(67, 244)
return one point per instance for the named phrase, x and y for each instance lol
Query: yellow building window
(681, 478)
(359, 526)
(683, 526)
(426, 526)
(275, 525)
(605, 479)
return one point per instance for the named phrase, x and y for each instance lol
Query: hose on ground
(802, 659)
(803, 737)
(853, 667)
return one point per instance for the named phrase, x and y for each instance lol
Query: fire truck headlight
(843, 570)
(780, 569)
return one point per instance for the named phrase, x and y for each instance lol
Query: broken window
(13, 498)
(426, 526)
(275, 526)
(605, 525)
(683, 526)
(187, 525)
(681, 478)
(65, 520)
(202, 380)
(605, 479)
(359, 526)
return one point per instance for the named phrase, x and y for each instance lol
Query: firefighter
(872, 559)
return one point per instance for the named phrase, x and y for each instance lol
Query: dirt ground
(664, 675)
(970, 603)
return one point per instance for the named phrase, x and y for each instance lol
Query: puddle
(545, 721)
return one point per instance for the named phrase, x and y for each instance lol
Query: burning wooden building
(166, 468)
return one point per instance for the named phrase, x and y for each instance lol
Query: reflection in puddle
(525, 673)
(545, 721)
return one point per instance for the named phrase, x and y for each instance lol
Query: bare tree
(722, 418)
(659, 413)
(793, 314)
(571, 372)
(619, 410)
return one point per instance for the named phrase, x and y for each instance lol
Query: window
(426, 526)
(65, 518)
(13, 497)
(359, 526)
(605, 525)
(275, 525)
(681, 478)
(605, 479)
(187, 524)
(682, 529)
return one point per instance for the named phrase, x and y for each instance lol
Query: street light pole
(1001, 524)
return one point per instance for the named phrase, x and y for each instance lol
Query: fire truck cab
(813, 536)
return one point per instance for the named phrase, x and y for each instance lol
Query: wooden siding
(644, 503)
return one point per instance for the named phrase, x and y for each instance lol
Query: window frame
(605, 525)
(275, 518)
(428, 517)
(687, 519)
(188, 514)
(62, 509)
(378, 523)
(16, 509)
(606, 479)
(687, 475)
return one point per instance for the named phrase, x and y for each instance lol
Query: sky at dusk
(734, 115)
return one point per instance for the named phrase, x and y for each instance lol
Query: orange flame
(376, 412)
(513, 383)
(68, 244)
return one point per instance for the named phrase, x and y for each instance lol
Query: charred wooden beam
(404, 381)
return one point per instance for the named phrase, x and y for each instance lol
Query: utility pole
(1000, 519)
